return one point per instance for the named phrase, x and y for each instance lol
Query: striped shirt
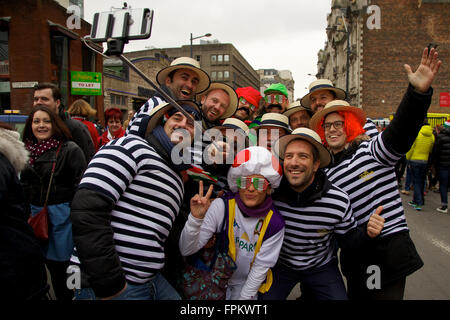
(145, 110)
(369, 179)
(309, 230)
(370, 128)
(147, 195)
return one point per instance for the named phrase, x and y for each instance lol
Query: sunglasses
(259, 184)
(275, 98)
(336, 125)
(243, 101)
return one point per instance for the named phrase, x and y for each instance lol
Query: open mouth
(244, 109)
(185, 93)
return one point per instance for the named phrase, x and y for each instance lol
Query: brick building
(36, 46)
(391, 34)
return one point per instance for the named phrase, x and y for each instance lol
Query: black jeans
(58, 276)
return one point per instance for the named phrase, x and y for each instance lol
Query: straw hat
(185, 63)
(321, 84)
(295, 107)
(160, 110)
(307, 135)
(274, 120)
(231, 109)
(334, 106)
(235, 124)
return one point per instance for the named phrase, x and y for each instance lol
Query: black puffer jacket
(441, 149)
(22, 269)
(69, 169)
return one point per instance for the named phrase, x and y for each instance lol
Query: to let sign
(444, 99)
(86, 83)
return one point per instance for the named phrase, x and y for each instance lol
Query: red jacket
(92, 130)
(103, 139)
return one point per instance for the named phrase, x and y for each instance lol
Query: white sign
(5, 86)
(26, 84)
(86, 85)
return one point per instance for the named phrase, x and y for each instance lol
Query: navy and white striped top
(134, 125)
(147, 195)
(308, 238)
(368, 176)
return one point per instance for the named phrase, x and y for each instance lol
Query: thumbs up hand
(375, 224)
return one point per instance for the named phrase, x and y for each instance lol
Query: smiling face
(299, 165)
(178, 121)
(215, 104)
(335, 137)
(299, 119)
(114, 124)
(252, 197)
(320, 98)
(41, 126)
(183, 84)
(44, 97)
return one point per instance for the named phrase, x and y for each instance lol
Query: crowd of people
(280, 186)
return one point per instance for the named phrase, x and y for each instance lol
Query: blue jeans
(409, 177)
(443, 184)
(156, 289)
(322, 283)
(418, 169)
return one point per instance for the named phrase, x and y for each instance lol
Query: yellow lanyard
(232, 244)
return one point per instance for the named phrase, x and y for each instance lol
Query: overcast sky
(278, 34)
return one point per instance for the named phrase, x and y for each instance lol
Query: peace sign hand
(200, 203)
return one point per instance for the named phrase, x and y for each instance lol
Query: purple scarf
(261, 211)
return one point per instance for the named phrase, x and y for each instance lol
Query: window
(219, 58)
(226, 74)
(117, 100)
(213, 59)
(226, 58)
(213, 75)
(197, 58)
(219, 75)
(60, 63)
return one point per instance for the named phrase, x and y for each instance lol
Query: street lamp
(193, 38)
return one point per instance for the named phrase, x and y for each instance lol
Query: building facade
(38, 46)
(270, 76)
(371, 40)
(222, 61)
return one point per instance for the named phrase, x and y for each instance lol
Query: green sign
(86, 83)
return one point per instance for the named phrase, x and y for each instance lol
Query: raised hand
(200, 203)
(429, 66)
(375, 224)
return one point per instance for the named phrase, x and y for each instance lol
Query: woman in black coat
(48, 140)
(22, 268)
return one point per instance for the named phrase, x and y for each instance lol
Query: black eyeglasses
(336, 125)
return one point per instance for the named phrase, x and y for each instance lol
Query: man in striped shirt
(316, 214)
(365, 170)
(182, 80)
(125, 207)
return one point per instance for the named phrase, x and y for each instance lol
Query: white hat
(185, 63)
(274, 119)
(255, 160)
(321, 84)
